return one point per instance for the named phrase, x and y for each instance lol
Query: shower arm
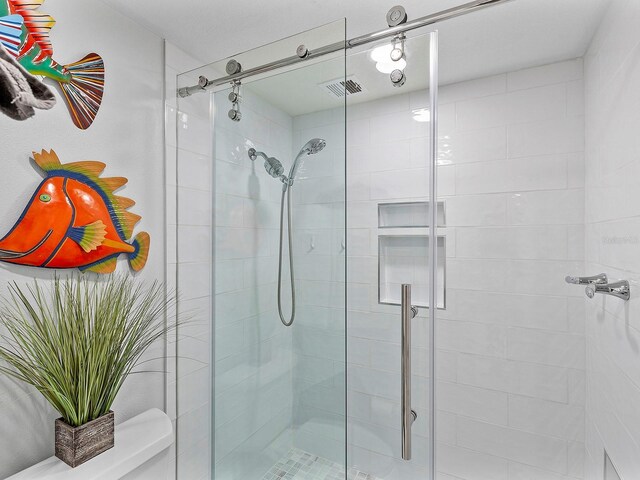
(254, 154)
(205, 84)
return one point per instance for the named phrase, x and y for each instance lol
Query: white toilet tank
(141, 452)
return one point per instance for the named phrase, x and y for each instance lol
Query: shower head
(271, 164)
(312, 147)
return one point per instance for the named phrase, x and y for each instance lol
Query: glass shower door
(391, 235)
(278, 244)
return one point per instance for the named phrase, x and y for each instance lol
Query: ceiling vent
(339, 88)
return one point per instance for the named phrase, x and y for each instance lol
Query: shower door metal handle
(408, 415)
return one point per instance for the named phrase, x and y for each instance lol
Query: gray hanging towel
(21, 92)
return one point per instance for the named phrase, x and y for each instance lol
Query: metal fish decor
(74, 220)
(24, 32)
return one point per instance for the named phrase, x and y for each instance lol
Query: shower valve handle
(617, 289)
(595, 279)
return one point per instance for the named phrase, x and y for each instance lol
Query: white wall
(613, 235)
(127, 136)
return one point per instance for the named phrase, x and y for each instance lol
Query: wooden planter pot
(76, 445)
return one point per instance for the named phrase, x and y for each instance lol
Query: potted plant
(76, 342)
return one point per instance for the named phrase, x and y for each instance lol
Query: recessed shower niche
(408, 215)
(403, 252)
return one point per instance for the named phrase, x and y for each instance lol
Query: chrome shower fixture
(302, 51)
(600, 284)
(274, 168)
(272, 165)
(312, 147)
(398, 78)
(233, 67)
(396, 16)
(234, 98)
(397, 54)
(619, 289)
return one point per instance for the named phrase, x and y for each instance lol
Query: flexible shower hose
(287, 323)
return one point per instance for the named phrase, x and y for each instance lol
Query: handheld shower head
(313, 146)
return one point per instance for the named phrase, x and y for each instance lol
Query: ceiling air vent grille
(339, 88)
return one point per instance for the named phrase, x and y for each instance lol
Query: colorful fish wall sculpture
(74, 220)
(24, 32)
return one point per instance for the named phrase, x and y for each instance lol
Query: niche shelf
(408, 215)
(405, 259)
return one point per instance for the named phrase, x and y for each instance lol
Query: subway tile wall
(612, 166)
(511, 348)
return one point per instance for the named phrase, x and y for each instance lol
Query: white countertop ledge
(136, 441)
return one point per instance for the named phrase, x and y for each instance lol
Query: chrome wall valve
(599, 279)
(617, 289)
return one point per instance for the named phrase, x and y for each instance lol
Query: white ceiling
(518, 34)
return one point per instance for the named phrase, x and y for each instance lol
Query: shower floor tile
(300, 465)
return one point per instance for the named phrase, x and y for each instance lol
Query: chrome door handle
(408, 415)
(617, 289)
(599, 279)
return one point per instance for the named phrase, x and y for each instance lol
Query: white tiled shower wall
(612, 77)
(511, 341)
(511, 355)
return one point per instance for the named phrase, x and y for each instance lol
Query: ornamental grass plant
(77, 340)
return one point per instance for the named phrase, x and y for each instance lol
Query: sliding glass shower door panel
(279, 243)
(390, 214)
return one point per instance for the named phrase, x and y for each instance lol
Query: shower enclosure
(282, 355)
(376, 261)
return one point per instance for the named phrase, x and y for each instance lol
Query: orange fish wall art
(24, 34)
(74, 220)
